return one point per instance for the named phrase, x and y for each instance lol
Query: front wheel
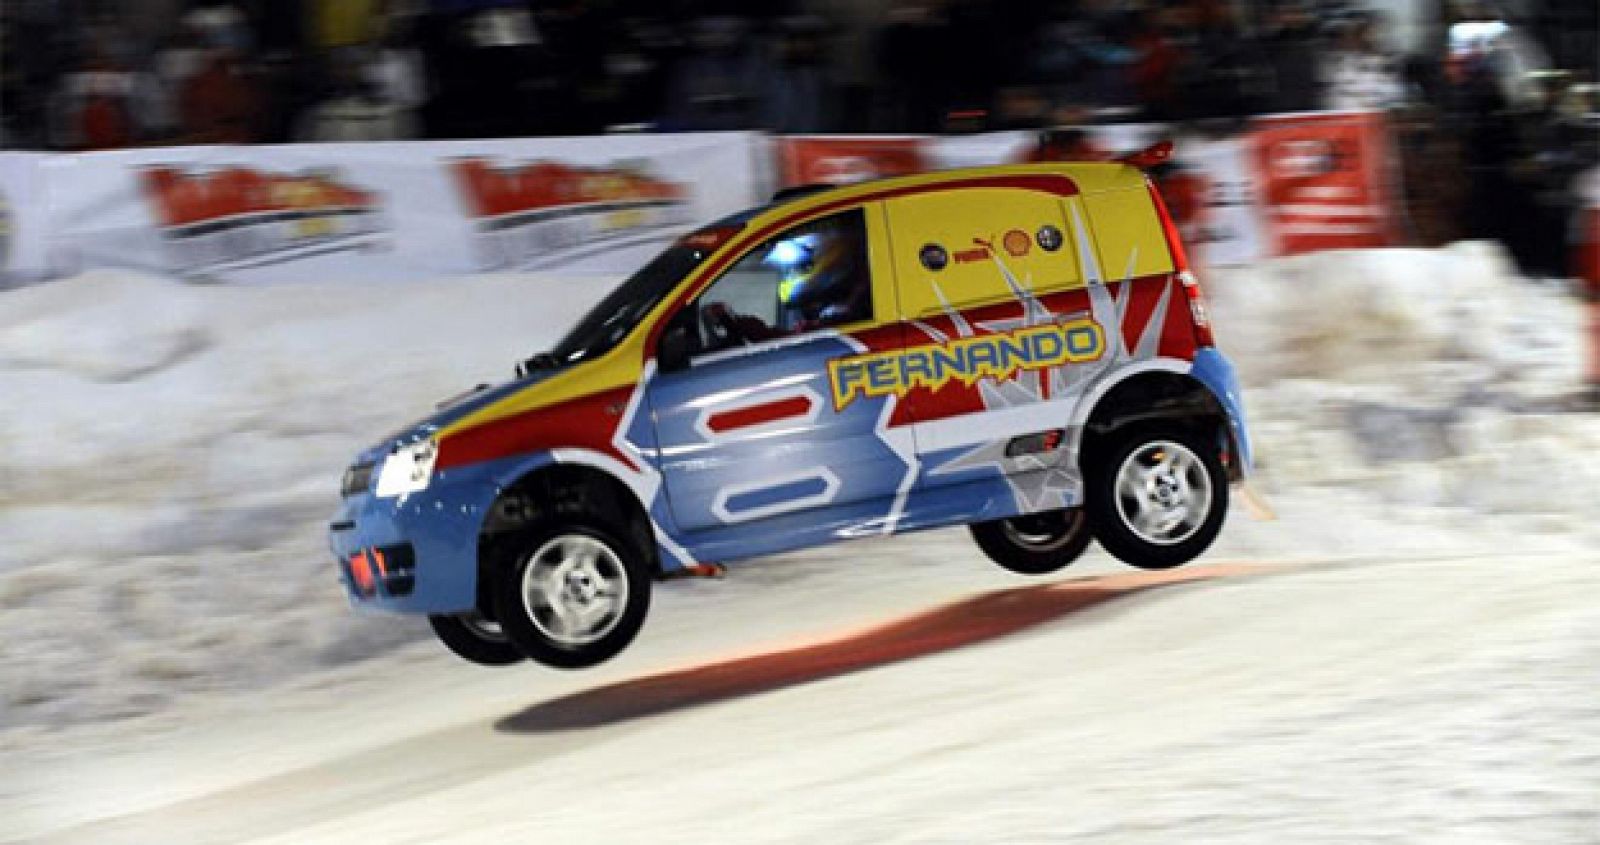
(1156, 497)
(1035, 544)
(475, 637)
(574, 596)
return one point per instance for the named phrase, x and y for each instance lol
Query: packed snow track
(1432, 699)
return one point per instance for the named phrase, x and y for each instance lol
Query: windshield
(615, 316)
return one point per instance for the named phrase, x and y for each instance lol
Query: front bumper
(416, 553)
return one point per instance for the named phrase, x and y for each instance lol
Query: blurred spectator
(1495, 52)
(359, 106)
(343, 23)
(914, 49)
(31, 60)
(1061, 61)
(104, 103)
(1359, 74)
(489, 66)
(1293, 48)
(221, 102)
(1108, 45)
(634, 71)
(1234, 76)
(222, 24)
(717, 85)
(397, 70)
(180, 58)
(795, 94)
(1155, 69)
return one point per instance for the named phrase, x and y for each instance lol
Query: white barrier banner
(24, 218)
(1225, 225)
(395, 210)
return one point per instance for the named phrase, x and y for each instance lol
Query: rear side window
(1128, 234)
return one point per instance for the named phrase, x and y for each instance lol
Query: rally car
(1021, 349)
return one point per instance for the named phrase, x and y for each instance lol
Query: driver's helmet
(820, 273)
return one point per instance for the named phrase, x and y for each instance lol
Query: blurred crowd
(1479, 96)
(92, 74)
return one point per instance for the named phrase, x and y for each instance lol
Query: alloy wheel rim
(1163, 492)
(574, 589)
(1042, 532)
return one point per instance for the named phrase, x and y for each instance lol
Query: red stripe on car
(766, 412)
(589, 422)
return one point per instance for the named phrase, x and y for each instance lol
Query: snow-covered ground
(170, 457)
(1410, 652)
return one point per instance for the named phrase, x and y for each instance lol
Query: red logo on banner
(525, 213)
(1323, 181)
(183, 199)
(839, 161)
(236, 214)
(493, 191)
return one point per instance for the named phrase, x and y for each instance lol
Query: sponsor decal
(1017, 243)
(972, 256)
(1049, 238)
(967, 359)
(525, 213)
(241, 216)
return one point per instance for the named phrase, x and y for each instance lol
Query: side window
(811, 277)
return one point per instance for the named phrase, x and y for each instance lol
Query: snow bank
(140, 404)
(1420, 377)
(1353, 316)
(170, 453)
(103, 326)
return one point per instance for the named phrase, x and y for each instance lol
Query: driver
(829, 288)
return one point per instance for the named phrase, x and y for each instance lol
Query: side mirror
(674, 348)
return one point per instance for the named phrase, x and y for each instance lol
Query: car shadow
(979, 619)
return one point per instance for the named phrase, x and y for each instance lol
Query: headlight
(407, 469)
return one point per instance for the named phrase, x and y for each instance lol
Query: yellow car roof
(1090, 178)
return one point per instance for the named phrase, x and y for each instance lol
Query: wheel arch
(1162, 392)
(548, 488)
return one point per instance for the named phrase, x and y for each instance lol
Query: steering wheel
(721, 325)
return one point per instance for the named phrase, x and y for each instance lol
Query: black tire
(477, 639)
(1035, 544)
(1113, 513)
(532, 626)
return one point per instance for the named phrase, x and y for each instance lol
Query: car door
(752, 446)
(999, 321)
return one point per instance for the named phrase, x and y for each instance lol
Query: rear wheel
(475, 637)
(574, 596)
(1035, 544)
(1157, 497)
